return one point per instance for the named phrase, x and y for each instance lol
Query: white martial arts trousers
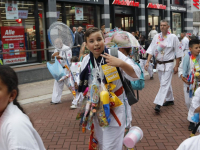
(57, 90)
(79, 97)
(110, 137)
(150, 68)
(165, 91)
(188, 102)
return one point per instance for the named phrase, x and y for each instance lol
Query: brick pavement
(60, 131)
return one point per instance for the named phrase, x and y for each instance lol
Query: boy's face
(195, 49)
(95, 43)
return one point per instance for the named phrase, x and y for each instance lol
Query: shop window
(153, 21)
(176, 23)
(79, 15)
(17, 23)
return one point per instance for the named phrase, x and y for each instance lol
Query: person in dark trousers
(78, 41)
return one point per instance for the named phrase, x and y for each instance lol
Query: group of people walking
(165, 47)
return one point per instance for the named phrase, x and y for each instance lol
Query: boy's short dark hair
(90, 31)
(192, 42)
(74, 59)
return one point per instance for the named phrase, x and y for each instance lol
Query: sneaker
(157, 108)
(151, 78)
(73, 107)
(191, 126)
(55, 103)
(167, 103)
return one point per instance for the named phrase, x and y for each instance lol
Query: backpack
(138, 84)
(130, 93)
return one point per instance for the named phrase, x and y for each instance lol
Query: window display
(17, 23)
(176, 23)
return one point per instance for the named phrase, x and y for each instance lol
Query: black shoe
(151, 78)
(167, 103)
(157, 108)
(191, 126)
(52, 103)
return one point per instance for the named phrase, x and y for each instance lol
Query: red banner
(13, 41)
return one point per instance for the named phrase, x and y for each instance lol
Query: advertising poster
(11, 11)
(79, 12)
(23, 14)
(13, 41)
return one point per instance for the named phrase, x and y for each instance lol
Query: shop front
(177, 16)
(77, 13)
(21, 29)
(124, 15)
(154, 14)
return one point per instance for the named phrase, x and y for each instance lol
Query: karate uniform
(17, 132)
(65, 53)
(111, 137)
(190, 144)
(184, 70)
(79, 96)
(165, 71)
(185, 46)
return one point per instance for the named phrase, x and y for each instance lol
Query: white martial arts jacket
(185, 45)
(17, 132)
(119, 111)
(171, 50)
(65, 53)
(190, 144)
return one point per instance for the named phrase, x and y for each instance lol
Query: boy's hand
(112, 61)
(76, 86)
(184, 80)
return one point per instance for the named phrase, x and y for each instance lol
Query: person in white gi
(184, 44)
(152, 33)
(62, 53)
(16, 129)
(164, 46)
(193, 142)
(110, 137)
(185, 68)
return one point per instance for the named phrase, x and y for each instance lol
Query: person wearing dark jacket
(78, 41)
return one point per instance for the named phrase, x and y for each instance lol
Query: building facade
(149, 13)
(24, 24)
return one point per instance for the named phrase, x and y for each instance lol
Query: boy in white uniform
(186, 67)
(62, 53)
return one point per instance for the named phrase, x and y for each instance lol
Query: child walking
(79, 96)
(110, 137)
(188, 67)
(16, 129)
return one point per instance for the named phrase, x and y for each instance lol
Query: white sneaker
(73, 107)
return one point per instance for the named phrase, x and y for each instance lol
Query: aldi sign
(195, 5)
(126, 3)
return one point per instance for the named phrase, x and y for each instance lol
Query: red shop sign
(126, 3)
(196, 3)
(156, 6)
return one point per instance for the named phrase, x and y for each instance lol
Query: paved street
(60, 131)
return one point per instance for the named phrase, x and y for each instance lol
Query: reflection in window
(176, 23)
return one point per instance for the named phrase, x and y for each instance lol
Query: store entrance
(124, 21)
(154, 21)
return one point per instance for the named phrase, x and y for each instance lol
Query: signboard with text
(178, 8)
(195, 5)
(156, 6)
(13, 41)
(11, 11)
(23, 14)
(126, 3)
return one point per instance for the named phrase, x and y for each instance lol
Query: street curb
(40, 98)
